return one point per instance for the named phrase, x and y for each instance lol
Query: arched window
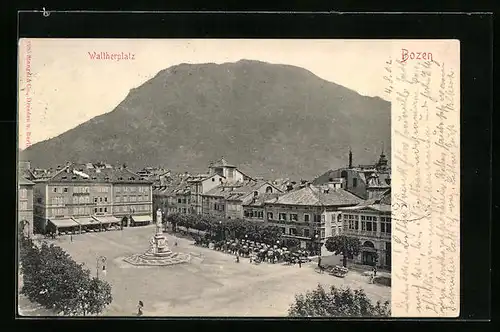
(368, 244)
(255, 193)
(269, 190)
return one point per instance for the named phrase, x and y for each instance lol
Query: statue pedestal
(159, 254)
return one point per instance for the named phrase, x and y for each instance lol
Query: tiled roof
(80, 173)
(382, 204)
(314, 196)
(221, 163)
(24, 182)
(238, 191)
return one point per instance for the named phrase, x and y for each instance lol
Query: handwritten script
(425, 187)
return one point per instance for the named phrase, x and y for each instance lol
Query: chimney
(350, 158)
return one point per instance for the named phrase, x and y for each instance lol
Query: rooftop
(315, 196)
(85, 173)
(221, 163)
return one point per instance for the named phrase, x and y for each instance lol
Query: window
(282, 216)
(213, 179)
(307, 217)
(105, 209)
(385, 225)
(95, 200)
(100, 209)
(306, 232)
(95, 210)
(55, 190)
(269, 190)
(354, 182)
(292, 231)
(105, 199)
(323, 218)
(183, 210)
(260, 214)
(322, 233)
(294, 217)
(270, 216)
(118, 198)
(179, 200)
(65, 190)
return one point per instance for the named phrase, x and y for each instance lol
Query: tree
(53, 279)
(337, 302)
(343, 245)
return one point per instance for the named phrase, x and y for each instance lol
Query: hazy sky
(69, 88)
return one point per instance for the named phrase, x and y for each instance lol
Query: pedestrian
(71, 237)
(374, 271)
(251, 259)
(237, 259)
(139, 308)
(300, 263)
(176, 243)
(319, 265)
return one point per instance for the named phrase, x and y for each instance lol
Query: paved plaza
(212, 284)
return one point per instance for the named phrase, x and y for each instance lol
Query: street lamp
(101, 259)
(317, 245)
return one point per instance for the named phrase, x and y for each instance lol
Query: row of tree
(54, 280)
(219, 227)
(337, 302)
(228, 228)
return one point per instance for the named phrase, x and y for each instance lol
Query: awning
(64, 223)
(144, 218)
(86, 221)
(107, 219)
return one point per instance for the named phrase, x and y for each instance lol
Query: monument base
(159, 254)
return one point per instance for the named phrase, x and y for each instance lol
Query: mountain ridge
(272, 120)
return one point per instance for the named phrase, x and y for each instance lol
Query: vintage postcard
(239, 178)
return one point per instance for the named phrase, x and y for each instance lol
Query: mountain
(271, 120)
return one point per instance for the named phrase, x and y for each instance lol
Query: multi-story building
(79, 196)
(365, 181)
(184, 193)
(25, 205)
(310, 214)
(228, 171)
(229, 199)
(371, 223)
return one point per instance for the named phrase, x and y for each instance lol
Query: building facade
(371, 224)
(25, 205)
(365, 181)
(78, 195)
(229, 199)
(309, 214)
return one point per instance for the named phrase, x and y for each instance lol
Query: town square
(211, 284)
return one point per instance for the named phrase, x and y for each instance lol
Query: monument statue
(159, 253)
(159, 220)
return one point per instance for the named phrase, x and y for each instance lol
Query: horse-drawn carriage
(338, 271)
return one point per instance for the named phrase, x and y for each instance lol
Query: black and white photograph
(227, 178)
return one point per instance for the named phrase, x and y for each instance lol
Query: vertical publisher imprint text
(27, 95)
